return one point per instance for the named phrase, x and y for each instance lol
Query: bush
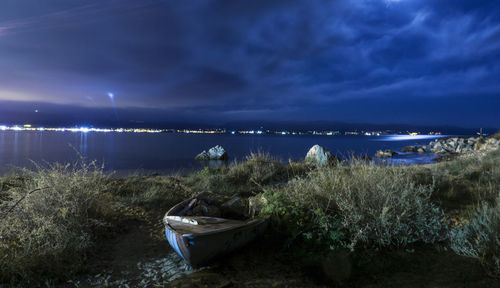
(258, 169)
(380, 205)
(47, 221)
(153, 192)
(479, 237)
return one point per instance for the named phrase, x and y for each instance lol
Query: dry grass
(152, 192)
(47, 218)
(467, 181)
(247, 177)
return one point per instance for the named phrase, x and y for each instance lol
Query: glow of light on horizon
(408, 137)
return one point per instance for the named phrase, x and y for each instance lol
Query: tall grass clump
(47, 221)
(362, 204)
(248, 176)
(479, 237)
(466, 181)
(259, 169)
(152, 192)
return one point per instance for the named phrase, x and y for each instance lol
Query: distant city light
(385, 135)
(111, 95)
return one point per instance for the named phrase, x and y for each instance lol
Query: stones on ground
(154, 273)
(214, 153)
(320, 156)
(385, 153)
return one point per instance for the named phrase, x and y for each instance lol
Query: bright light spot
(409, 137)
(3, 128)
(233, 132)
(36, 111)
(84, 129)
(111, 95)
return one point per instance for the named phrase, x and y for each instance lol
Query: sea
(169, 153)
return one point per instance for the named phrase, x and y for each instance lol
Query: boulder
(320, 156)
(215, 153)
(410, 149)
(385, 154)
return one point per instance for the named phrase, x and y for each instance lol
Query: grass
(247, 177)
(47, 219)
(358, 205)
(52, 216)
(479, 236)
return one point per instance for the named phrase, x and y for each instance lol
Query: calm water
(165, 152)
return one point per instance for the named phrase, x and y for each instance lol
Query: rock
(215, 153)
(410, 149)
(320, 156)
(385, 154)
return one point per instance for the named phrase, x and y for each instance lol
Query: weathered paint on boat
(211, 237)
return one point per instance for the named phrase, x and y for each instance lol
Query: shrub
(479, 237)
(47, 221)
(379, 205)
(259, 169)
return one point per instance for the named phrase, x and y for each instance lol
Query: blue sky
(426, 62)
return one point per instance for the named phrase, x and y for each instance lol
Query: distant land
(58, 115)
(291, 126)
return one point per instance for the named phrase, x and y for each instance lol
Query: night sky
(425, 62)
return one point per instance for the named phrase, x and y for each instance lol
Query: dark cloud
(219, 59)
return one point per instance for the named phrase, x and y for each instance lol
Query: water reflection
(172, 153)
(408, 137)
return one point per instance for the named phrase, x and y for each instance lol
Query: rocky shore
(448, 147)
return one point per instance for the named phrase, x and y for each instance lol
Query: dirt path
(137, 255)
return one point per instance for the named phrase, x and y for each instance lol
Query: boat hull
(198, 250)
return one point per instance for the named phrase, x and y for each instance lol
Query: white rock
(215, 153)
(320, 156)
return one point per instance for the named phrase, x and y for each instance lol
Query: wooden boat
(199, 239)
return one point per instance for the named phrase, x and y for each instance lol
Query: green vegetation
(247, 177)
(479, 237)
(374, 205)
(52, 217)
